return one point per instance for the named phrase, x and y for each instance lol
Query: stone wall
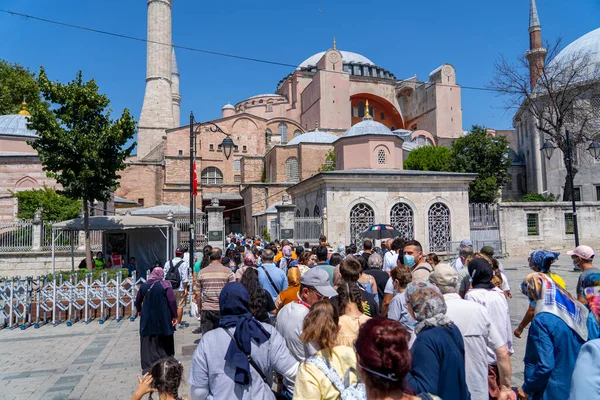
(142, 181)
(36, 263)
(551, 226)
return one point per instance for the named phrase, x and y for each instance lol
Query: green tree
(17, 83)
(79, 144)
(52, 205)
(329, 164)
(485, 155)
(536, 197)
(428, 158)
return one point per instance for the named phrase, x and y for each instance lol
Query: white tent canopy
(112, 223)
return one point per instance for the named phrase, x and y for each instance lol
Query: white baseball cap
(583, 251)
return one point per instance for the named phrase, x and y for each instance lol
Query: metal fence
(308, 229)
(16, 235)
(183, 225)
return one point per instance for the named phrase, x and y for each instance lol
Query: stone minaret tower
(157, 111)
(537, 53)
(175, 95)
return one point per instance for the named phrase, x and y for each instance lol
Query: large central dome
(587, 45)
(348, 57)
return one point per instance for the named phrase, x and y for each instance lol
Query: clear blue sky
(406, 37)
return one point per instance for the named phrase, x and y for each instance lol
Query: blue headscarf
(234, 303)
(539, 259)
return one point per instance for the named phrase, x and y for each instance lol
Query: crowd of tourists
(283, 320)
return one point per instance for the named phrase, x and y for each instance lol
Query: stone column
(286, 216)
(215, 224)
(36, 232)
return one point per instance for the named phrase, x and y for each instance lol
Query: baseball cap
(466, 243)
(319, 279)
(180, 250)
(583, 251)
(487, 250)
(444, 275)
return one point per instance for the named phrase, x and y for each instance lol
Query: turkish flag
(195, 184)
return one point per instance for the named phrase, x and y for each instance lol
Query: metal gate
(308, 229)
(485, 227)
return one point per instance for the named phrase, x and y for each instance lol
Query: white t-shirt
(495, 303)
(184, 271)
(390, 261)
(389, 286)
(505, 285)
(479, 335)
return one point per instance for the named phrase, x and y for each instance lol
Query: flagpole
(192, 245)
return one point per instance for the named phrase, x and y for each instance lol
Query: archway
(380, 109)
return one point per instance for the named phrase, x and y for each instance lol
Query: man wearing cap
(582, 257)
(465, 246)
(181, 292)
(314, 286)
(482, 340)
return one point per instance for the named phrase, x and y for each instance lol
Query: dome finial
(24, 110)
(367, 114)
(334, 44)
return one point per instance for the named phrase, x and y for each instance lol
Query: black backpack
(173, 275)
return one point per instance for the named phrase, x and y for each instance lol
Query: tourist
(374, 269)
(585, 383)
(465, 249)
(236, 360)
(204, 258)
(207, 289)
(478, 333)
(271, 278)
(278, 255)
(314, 286)
(502, 279)
(328, 373)
(484, 292)
(348, 303)
(582, 258)
(291, 293)
(261, 303)
(177, 273)
(350, 270)
(367, 281)
(390, 260)
(383, 360)
(131, 267)
(438, 362)
(249, 262)
(286, 258)
(305, 262)
(341, 250)
(164, 378)
(558, 330)
(413, 258)
(335, 259)
(432, 259)
(321, 254)
(155, 302)
(539, 261)
(398, 310)
(366, 253)
(99, 261)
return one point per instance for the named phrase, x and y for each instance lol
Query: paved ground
(102, 361)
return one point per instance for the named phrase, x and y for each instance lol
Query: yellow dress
(349, 327)
(311, 383)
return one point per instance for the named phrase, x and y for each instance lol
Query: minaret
(537, 53)
(157, 110)
(175, 95)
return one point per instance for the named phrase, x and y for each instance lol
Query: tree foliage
(17, 83)
(484, 154)
(52, 205)
(428, 158)
(79, 144)
(329, 164)
(536, 197)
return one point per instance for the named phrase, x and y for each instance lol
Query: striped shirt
(210, 282)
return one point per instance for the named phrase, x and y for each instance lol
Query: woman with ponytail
(349, 306)
(164, 377)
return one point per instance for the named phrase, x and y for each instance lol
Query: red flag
(195, 184)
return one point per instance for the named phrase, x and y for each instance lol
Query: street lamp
(594, 149)
(227, 145)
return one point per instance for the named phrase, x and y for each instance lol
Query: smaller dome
(15, 125)
(368, 127)
(228, 106)
(313, 137)
(273, 209)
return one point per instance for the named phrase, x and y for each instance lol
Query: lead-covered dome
(347, 57)
(313, 137)
(353, 63)
(587, 45)
(15, 125)
(368, 127)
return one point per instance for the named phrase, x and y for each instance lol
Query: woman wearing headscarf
(236, 361)
(249, 261)
(155, 301)
(438, 360)
(540, 261)
(560, 327)
(291, 293)
(484, 292)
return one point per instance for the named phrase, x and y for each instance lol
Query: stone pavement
(102, 361)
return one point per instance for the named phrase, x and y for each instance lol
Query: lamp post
(227, 146)
(594, 149)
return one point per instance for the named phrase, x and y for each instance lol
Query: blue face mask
(409, 260)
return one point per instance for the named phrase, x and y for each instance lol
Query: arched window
(297, 133)
(381, 158)
(382, 116)
(282, 129)
(291, 170)
(297, 213)
(317, 211)
(361, 217)
(211, 176)
(306, 212)
(402, 218)
(361, 109)
(439, 227)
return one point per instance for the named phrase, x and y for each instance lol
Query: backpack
(347, 391)
(590, 289)
(173, 275)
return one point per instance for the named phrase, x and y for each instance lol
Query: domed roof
(368, 127)
(15, 125)
(313, 137)
(347, 57)
(587, 45)
(228, 106)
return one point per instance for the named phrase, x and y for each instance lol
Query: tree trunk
(86, 227)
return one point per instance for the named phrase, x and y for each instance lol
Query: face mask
(576, 262)
(409, 260)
